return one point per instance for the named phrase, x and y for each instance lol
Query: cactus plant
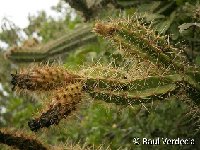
(134, 39)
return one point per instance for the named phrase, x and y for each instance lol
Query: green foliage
(43, 26)
(47, 27)
(18, 112)
(10, 32)
(167, 16)
(118, 126)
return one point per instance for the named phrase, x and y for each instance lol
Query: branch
(90, 12)
(81, 5)
(20, 141)
(64, 44)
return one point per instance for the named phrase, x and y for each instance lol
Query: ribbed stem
(64, 102)
(135, 38)
(43, 78)
(133, 92)
(64, 44)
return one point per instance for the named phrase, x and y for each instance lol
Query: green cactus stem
(64, 44)
(126, 98)
(135, 85)
(133, 92)
(137, 39)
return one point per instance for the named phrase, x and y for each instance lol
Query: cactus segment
(72, 44)
(142, 41)
(133, 92)
(77, 34)
(136, 97)
(63, 44)
(144, 46)
(20, 141)
(63, 104)
(153, 87)
(42, 78)
(52, 116)
(135, 85)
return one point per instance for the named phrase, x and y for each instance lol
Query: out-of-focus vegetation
(98, 124)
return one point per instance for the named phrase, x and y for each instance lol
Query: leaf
(149, 7)
(197, 60)
(186, 26)
(162, 27)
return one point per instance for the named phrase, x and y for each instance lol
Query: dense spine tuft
(104, 29)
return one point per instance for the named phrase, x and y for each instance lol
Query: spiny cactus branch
(137, 97)
(52, 116)
(64, 102)
(20, 141)
(151, 87)
(133, 92)
(135, 38)
(42, 79)
(64, 44)
(135, 85)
